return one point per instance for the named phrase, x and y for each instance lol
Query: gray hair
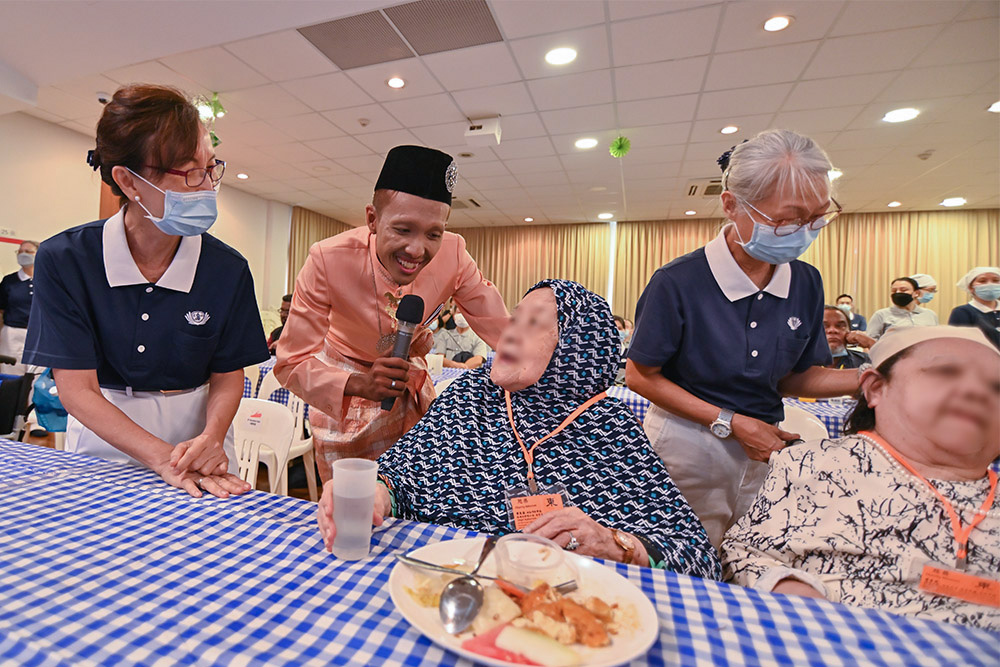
(774, 159)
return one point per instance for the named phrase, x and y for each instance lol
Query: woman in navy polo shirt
(16, 291)
(721, 333)
(146, 320)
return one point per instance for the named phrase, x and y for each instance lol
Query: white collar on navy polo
(22, 276)
(980, 307)
(121, 269)
(733, 282)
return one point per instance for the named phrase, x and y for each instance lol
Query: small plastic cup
(353, 505)
(530, 560)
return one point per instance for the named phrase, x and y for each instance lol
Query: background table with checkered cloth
(833, 414)
(103, 563)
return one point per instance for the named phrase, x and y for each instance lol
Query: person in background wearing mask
(928, 287)
(846, 303)
(146, 320)
(461, 347)
(905, 311)
(623, 331)
(715, 361)
(838, 328)
(272, 341)
(983, 285)
(16, 292)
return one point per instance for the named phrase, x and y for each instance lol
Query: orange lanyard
(961, 533)
(529, 454)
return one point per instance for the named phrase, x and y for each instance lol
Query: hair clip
(92, 159)
(723, 160)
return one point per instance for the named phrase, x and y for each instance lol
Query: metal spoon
(462, 598)
(563, 588)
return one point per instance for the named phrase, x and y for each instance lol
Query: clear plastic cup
(353, 506)
(530, 560)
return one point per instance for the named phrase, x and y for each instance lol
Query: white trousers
(170, 417)
(12, 345)
(716, 476)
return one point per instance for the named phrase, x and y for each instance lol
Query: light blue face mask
(766, 246)
(987, 292)
(926, 297)
(433, 325)
(844, 307)
(184, 213)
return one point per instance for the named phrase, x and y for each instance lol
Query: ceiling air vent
(356, 41)
(706, 187)
(465, 203)
(433, 26)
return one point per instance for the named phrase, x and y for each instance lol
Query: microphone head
(411, 309)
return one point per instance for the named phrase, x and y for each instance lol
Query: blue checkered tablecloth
(103, 564)
(833, 414)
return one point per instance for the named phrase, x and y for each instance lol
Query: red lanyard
(961, 532)
(529, 454)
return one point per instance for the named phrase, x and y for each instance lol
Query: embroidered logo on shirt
(794, 323)
(197, 317)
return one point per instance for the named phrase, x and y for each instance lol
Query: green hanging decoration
(620, 147)
(215, 138)
(209, 110)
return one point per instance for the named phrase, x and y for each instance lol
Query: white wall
(46, 187)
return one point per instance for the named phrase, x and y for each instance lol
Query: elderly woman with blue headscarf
(539, 423)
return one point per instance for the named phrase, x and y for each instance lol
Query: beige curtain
(308, 227)
(515, 258)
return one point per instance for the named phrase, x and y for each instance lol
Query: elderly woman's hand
(594, 539)
(328, 529)
(758, 439)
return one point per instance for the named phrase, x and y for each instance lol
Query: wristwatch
(625, 542)
(722, 427)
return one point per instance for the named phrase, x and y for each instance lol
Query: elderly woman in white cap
(983, 311)
(901, 514)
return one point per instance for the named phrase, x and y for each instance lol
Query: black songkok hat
(416, 170)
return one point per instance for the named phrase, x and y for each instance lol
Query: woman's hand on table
(203, 454)
(758, 439)
(328, 529)
(220, 485)
(594, 539)
(377, 383)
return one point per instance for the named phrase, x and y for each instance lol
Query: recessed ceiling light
(729, 129)
(560, 56)
(586, 142)
(995, 107)
(690, 212)
(529, 219)
(776, 23)
(242, 176)
(953, 201)
(605, 216)
(466, 154)
(395, 82)
(834, 174)
(598, 188)
(894, 204)
(900, 115)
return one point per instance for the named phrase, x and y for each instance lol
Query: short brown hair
(144, 124)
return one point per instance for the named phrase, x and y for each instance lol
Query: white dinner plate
(595, 579)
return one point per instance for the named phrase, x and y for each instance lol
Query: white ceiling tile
(448, 134)
(376, 119)
(474, 67)
(363, 164)
(372, 79)
(381, 142)
(281, 56)
(655, 154)
(572, 90)
(743, 24)
(77, 126)
(965, 42)
(267, 101)
(759, 66)
(67, 106)
(491, 168)
(830, 119)
(534, 165)
(487, 183)
(252, 133)
(980, 9)
(44, 115)
(946, 81)
(340, 147)
(306, 126)
(880, 15)
(321, 169)
(580, 119)
(841, 90)
(505, 100)
(931, 111)
(236, 154)
(591, 45)
(542, 178)
(519, 148)
(155, 72)
(566, 143)
(659, 79)
(863, 54)
(658, 135)
(665, 37)
(522, 126)
(328, 91)
(215, 68)
(746, 101)
(621, 10)
(659, 110)
(523, 19)
(430, 110)
(88, 87)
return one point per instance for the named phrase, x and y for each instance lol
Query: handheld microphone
(409, 315)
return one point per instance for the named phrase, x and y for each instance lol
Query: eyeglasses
(790, 226)
(195, 177)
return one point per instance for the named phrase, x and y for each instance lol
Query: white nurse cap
(895, 341)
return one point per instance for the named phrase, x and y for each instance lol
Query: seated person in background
(905, 311)
(983, 311)
(855, 520)
(928, 287)
(272, 341)
(837, 328)
(543, 401)
(846, 303)
(461, 347)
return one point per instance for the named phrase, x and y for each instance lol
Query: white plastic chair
(252, 373)
(807, 425)
(301, 446)
(259, 425)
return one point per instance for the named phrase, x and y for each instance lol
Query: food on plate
(498, 609)
(536, 647)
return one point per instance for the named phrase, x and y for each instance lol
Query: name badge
(523, 507)
(961, 585)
